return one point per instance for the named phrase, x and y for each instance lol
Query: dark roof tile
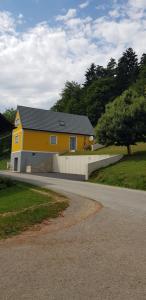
(47, 120)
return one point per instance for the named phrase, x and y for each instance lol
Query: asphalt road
(102, 256)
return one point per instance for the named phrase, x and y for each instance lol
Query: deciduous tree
(124, 121)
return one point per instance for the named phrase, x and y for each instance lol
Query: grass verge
(23, 205)
(130, 172)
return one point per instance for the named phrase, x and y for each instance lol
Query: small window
(16, 139)
(61, 123)
(17, 122)
(53, 140)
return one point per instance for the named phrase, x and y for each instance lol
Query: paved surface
(63, 176)
(101, 257)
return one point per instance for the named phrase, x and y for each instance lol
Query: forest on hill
(103, 85)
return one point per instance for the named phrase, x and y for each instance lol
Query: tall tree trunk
(129, 149)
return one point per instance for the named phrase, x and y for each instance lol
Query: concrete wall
(93, 166)
(97, 146)
(13, 156)
(82, 164)
(36, 161)
(69, 164)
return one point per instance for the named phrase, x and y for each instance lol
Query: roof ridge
(49, 110)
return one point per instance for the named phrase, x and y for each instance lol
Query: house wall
(17, 131)
(30, 140)
(17, 146)
(18, 156)
(36, 161)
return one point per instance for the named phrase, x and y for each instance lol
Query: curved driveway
(103, 257)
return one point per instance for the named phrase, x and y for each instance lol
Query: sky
(44, 43)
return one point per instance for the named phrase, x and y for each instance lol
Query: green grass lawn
(23, 205)
(141, 147)
(3, 163)
(130, 172)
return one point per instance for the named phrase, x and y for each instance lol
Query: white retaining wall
(97, 146)
(93, 166)
(82, 164)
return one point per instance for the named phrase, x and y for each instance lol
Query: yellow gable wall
(17, 132)
(17, 146)
(40, 141)
(19, 126)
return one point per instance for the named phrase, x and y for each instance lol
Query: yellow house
(39, 134)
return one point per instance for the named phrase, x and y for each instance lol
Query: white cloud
(136, 9)
(36, 63)
(7, 22)
(114, 13)
(137, 3)
(70, 14)
(84, 4)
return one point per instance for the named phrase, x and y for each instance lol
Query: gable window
(16, 139)
(17, 122)
(53, 140)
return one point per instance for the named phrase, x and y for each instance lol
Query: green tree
(98, 94)
(71, 99)
(6, 138)
(124, 122)
(127, 70)
(10, 114)
(111, 69)
(100, 72)
(143, 61)
(140, 85)
(90, 75)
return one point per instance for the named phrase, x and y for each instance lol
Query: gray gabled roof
(47, 120)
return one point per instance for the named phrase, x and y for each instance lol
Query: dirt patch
(57, 197)
(79, 210)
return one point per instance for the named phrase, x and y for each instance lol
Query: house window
(53, 140)
(73, 143)
(16, 139)
(17, 122)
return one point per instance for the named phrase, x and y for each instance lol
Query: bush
(88, 147)
(6, 182)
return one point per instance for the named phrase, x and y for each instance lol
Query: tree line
(114, 99)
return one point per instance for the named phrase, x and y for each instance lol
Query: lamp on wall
(91, 138)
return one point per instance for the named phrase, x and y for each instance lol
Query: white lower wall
(69, 165)
(97, 146)
(82, 164)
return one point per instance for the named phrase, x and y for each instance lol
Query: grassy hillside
(130, 172)
(141, 147)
